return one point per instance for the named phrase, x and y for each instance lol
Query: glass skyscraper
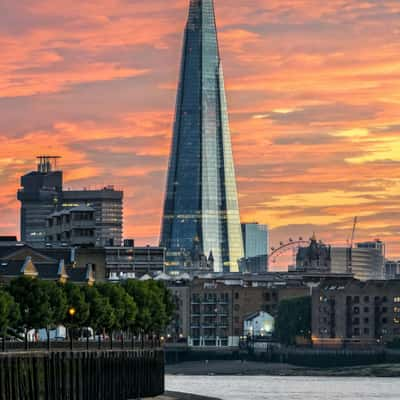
(201, 205)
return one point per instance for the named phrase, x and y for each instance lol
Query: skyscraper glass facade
(201, 202)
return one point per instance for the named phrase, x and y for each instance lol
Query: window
(384, 320)
(356, 331)
(236, 295)
(396, 299)
(356, 321)
(384, 299)
(356, 299)
(366, 299)
(356, 310)
(366, 309)
(384, 310)
(366, 320)
(366, 331)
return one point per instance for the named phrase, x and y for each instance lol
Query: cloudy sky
(313, 88)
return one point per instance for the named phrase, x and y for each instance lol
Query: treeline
(138, 307)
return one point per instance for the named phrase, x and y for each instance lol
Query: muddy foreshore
(273, 369)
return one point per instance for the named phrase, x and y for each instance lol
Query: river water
(286, 388)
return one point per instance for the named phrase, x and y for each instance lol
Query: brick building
(212, 311)
(355, 313)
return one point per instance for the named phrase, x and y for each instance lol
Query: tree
(101, 313)
(155, 305)
(56, 303)
(293, 320)
(76, 300)
(124, 307)
(41, 303)
(9, 313)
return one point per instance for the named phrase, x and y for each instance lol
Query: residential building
(51, 271)
(352, 312)
(220, 306)
(71, 227)
(260, 324)
(107, 205)
(201, 202)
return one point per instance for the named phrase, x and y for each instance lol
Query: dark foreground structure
(97, 375)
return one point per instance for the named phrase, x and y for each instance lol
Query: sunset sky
(313, 89)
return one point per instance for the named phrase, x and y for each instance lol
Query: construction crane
(350, 250)
(353, 232)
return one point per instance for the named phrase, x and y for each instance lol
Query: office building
(130, 262)
(42, 195)
(392, 269)
(201, 202)
(255, 239)
(365, 261)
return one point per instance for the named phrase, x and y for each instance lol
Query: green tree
(124, 307)
(293, 320)
(155, 305)
(101, 313)
(76, 300)
(41, 303)
(9, 313)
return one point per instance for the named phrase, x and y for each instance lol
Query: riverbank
(181, 396)
(216, 367)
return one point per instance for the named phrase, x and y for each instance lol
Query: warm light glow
(313, 91)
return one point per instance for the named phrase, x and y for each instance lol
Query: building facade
(39, 195)
(212, 311)
(255, 239)
(71, 227)
(364, 262)
(130, 262)
(355, 313)
(201, 201)
(107, 204)
(392, 269)
(42, 195)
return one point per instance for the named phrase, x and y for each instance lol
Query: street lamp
(71, 313)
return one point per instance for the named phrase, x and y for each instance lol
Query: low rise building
(352, 312)
(213, 309)
(259, 325)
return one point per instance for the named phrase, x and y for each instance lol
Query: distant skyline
(313, 92)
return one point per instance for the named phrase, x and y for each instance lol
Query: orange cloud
(313, 90)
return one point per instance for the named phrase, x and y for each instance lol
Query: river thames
(286, 388)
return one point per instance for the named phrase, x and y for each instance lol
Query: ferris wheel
(284, 248)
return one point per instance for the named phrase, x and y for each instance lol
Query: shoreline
(255, 368)
(181, 396)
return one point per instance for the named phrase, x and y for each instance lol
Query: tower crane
(350, 250)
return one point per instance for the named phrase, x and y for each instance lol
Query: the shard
(201, 203)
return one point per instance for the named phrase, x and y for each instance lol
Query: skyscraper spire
(201, 197)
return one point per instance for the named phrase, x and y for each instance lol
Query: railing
(80, 345)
